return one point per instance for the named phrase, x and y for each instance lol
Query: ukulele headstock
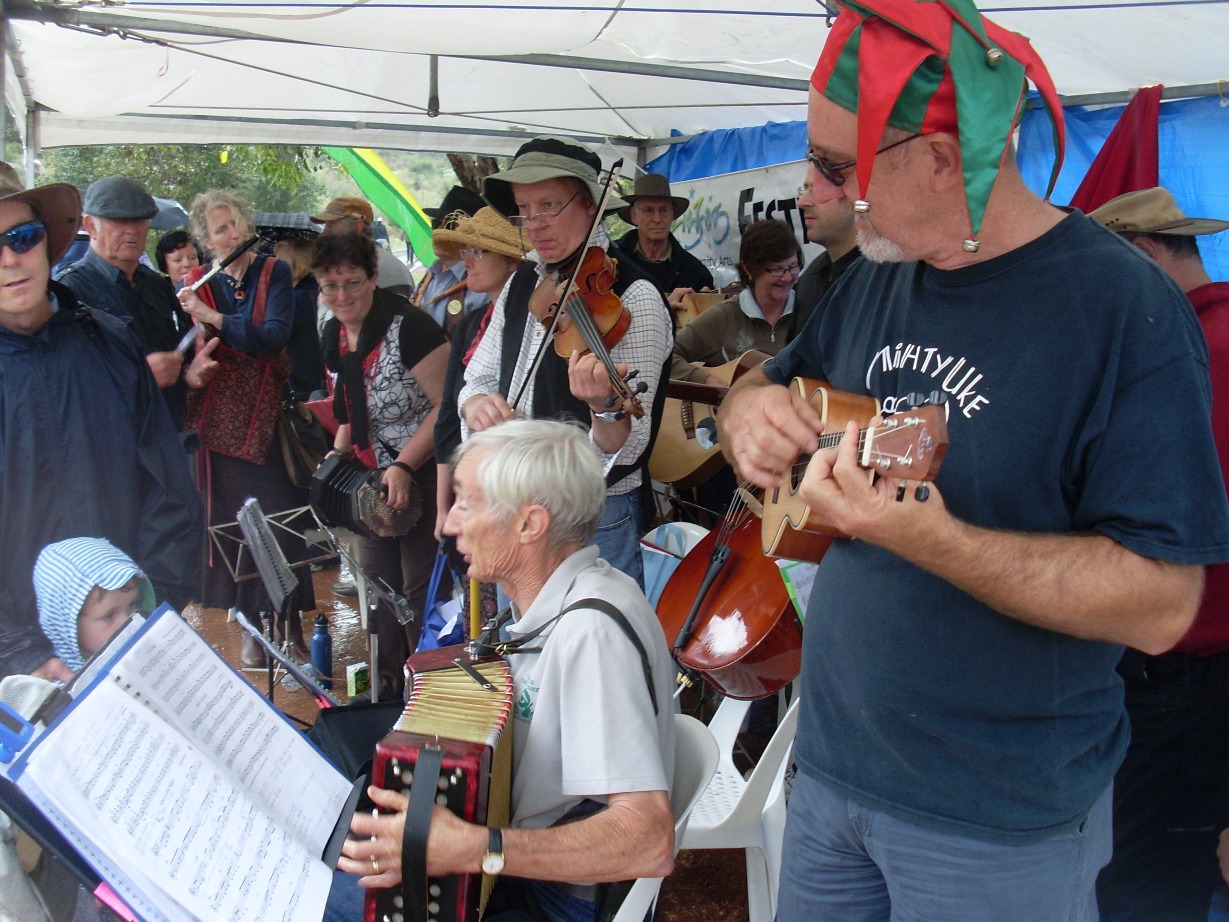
(909, 445)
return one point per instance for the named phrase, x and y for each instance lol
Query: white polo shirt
(584, 723)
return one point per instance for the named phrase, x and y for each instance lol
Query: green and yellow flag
(386, 192)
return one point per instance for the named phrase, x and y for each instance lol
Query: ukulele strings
(831, 440)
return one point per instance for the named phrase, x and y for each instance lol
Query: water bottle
(322, 651)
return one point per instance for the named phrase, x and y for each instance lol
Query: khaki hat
(652, 185)
(1152, 211)
(58, 206)
(346, 206)
(487, 230)
(541, 159)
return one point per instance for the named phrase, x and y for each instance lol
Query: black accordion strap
(417, 828)
(489, 641)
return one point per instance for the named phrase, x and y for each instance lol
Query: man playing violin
(551, 192)
(961, 718)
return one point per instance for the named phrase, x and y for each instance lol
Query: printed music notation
(194, 798)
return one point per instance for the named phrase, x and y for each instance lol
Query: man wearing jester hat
(961, 716)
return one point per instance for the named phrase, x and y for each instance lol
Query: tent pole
(34, 142)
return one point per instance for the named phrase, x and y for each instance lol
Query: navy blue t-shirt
(1075, 379)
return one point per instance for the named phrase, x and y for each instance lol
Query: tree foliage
(272, 178)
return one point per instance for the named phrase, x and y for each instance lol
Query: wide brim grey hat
(118, 198)
(58, 206)
(487, 230)
(652, 185)
(1152, 211)
(547, 158)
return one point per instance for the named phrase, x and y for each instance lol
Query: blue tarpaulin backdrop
(1194, 157)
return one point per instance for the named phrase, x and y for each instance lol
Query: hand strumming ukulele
(909, 445)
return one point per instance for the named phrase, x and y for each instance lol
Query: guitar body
(746, 640)
(909, 445)
(677, 457)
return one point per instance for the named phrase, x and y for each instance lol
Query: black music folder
(186, 790)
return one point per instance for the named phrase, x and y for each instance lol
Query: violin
(591, 298)
(588, 314)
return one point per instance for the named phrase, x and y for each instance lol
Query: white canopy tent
(373, 73)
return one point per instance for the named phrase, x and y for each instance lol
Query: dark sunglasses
(24, 237)
(835, 172)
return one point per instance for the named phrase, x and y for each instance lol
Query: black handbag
(302, 440)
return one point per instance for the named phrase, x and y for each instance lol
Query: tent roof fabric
(363, 74)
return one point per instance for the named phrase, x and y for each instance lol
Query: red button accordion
(451, 746)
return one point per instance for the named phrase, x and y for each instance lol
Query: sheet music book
(186, 790)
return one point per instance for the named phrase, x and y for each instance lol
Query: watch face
(492, 863)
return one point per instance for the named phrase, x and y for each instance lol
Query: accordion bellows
(345, 494)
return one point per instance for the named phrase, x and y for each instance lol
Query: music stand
(383, 592)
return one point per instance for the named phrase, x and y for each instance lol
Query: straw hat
(58, 206)
(1152, 211)
(487, 230)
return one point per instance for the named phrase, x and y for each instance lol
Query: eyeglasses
(329, 289)
(834, 172)
(801, 191)
(542, 217)
(780, 272)
(471, 253)
(24, 237)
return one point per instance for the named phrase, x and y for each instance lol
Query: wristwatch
(608, 416)
(493, 860)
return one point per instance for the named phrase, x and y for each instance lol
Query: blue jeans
(618, 535)
(1219, 911)
(846, 862)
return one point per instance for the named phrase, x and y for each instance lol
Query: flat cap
(119, 198)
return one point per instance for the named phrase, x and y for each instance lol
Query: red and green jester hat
(934, 65)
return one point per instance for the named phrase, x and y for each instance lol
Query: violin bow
(580, 314)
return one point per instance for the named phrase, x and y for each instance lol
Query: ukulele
(908, 445)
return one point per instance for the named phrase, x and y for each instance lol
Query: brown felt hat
(58, 206)
(1152, 211)
(345, 206)
(652, 185)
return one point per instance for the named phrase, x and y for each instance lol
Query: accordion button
(407, 776)
(434, 891)
(441, 800)
(442, 784)
(399, 901)
(433, 909)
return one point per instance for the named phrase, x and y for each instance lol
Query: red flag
(1128, 160)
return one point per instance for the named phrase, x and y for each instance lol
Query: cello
(728, 614)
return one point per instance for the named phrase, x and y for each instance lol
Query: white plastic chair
(748, 814)
(695, 761)
(661, 549)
